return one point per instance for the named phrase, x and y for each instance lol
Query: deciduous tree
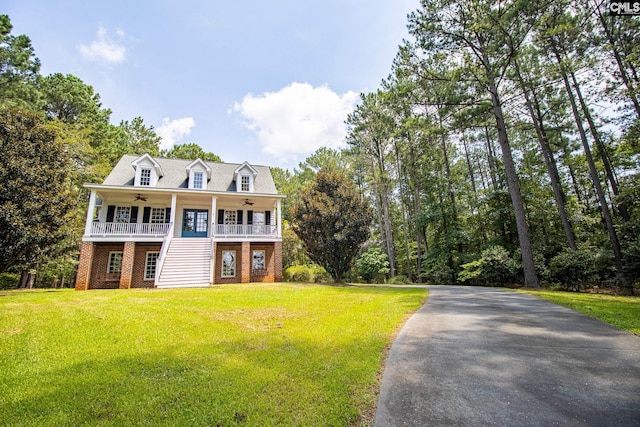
(333, 221)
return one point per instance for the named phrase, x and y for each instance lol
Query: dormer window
(145, 176)
(148, 171)
(245, 176)
(244, 186)
(199, 174)
(197, 180)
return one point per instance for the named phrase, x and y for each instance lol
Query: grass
(250, 355)
(620, 311)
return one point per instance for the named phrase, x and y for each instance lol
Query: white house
(158, 222)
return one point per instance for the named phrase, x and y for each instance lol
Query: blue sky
(264, 81)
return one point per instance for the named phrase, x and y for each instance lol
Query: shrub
(572, 269)
(306, 274)
(372, 264)
(399, 280)
(494, 266)
(297, 273)
(9, 281)
(319, 274)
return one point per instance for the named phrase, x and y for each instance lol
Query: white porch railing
(126, 229)
(246, 230)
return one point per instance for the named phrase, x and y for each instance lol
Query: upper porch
(125, 214)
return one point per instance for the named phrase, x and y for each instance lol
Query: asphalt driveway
(482, 356)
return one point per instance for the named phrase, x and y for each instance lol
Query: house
(165, 223)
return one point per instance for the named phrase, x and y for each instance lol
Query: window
(197, 180)
(230, 217)
(145, 176)
(244, 186)
(259, 261)
(157, 215)
(258, 223)
(115, 262)
(123, 213)
(150, 265)
(228, 263)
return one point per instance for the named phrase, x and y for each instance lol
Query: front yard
(254, 355)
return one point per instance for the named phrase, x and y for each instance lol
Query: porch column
(127, 264)
(212, 218)
(172, 218)
(279, 206)
(245, 273)
(92, 208)
(84, 266)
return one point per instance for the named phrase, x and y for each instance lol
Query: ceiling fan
(140, 197)
(247, 202)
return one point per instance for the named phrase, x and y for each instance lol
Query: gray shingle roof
(176, 175)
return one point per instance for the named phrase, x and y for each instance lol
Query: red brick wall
(127, 265)
(98, 278)
(84, 266)
(277, 255)
(245, 272)
(139, 263)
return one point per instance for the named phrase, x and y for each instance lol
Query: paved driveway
(481, 356)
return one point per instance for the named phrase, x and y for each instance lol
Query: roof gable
(147, 160)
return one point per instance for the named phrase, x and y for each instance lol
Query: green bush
(306, 274)
(319, 274)
(399, 280)
(372, 265)
(495, 266)
(573, 270)
(9, 281)
(297, 273)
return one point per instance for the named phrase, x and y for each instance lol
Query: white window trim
(111, 255)
(195, 181)
(235, 265)
(146, 265)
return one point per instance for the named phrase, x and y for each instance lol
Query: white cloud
(104, 49)
(298, 119)
(172, 131)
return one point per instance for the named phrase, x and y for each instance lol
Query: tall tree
(19, 69)
(189, 151)
(35, 197)
(333, 221)
(485, 36)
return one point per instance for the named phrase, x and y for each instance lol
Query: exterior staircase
(188, 263)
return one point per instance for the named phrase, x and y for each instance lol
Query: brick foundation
(84, 266)
(99, 279)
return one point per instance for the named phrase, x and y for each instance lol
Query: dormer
(148, 171)
(199, 174)
(244, 176)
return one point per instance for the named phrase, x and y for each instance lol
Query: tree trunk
(404, 214)
(604, 155)
(528, 265)
(604, 207)
(549, 160)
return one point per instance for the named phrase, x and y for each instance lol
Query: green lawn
(251, 355)
(620, 311)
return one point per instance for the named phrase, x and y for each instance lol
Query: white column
(92, 208)
(212, 218)
(174, 198)
(279, 219)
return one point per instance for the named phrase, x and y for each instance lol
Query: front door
(195, 223)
